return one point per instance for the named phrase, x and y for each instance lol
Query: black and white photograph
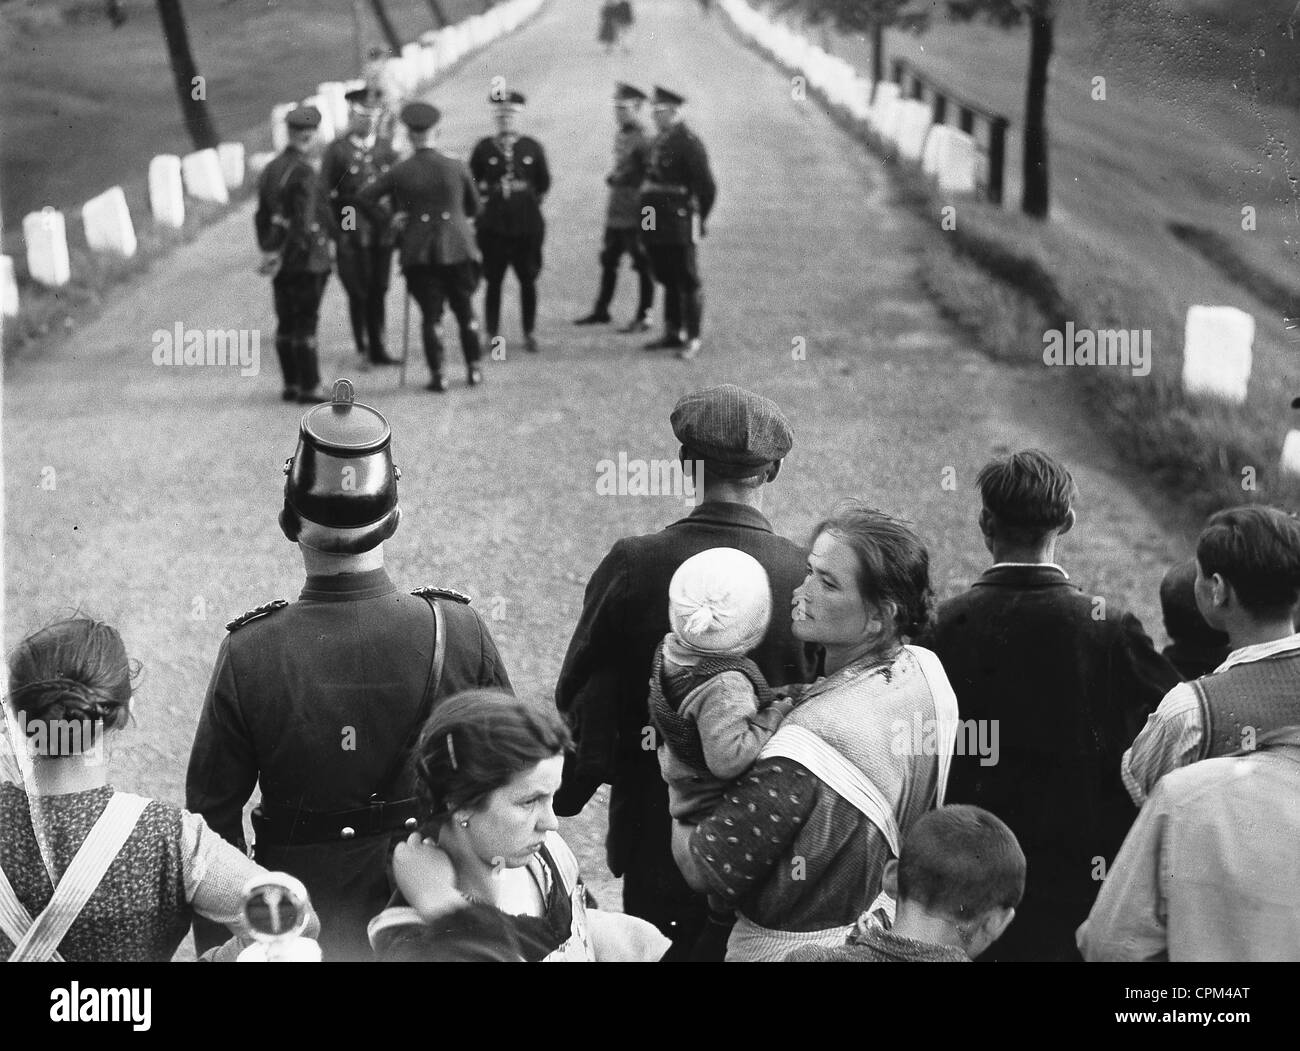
(651, 481)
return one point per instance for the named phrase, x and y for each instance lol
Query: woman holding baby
(798, 845)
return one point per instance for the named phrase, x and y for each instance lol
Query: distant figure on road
(615, 19)
(679, 191)
(1064, 679)
(623, 214)
(365, 246)
(435, 199)
(293, 225)
(513, 178)
(741, 439)
(321, 700)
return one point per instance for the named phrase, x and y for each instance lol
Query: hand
(426, 877)
(270, 263)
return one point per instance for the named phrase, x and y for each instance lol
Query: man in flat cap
(293, 226)
(676, 199)
(320, 699)
(741, 440)
(435, 199)
(623, 214)
(513, 178)
(364, 245)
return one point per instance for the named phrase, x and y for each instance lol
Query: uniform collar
(347, 587)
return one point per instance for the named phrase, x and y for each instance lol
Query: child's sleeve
(732, 729)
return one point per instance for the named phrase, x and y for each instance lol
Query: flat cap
(732, 429)
(664, 97)
(628, 93)
(507, 99)
(303, 117)
(420, 116)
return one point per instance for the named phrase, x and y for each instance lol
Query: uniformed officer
(364, 245)
(741, 439)
(512, 177)
(623, 214)
(321, 699)
(435, 199)
(680, 190)
(293, 230)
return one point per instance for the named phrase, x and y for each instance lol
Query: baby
(711, 707)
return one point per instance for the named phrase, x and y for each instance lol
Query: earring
(464, 822)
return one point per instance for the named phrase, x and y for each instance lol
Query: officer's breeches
(364, 271)
(521, 253)
(619, 241)
(453, 284)
(297, 310)
(676, 267)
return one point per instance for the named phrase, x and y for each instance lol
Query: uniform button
(347, 832)
(446, 215)
(355, 168)
(424, 218)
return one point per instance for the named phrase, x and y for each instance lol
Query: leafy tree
(863, 16)
(1041, 16)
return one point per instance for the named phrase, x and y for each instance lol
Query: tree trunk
(358, 38)
(1034, 198)
(439, 15)
(198, 121)
(877, 55)
(386, 27)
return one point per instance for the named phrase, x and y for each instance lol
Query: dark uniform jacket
(513, 178)
(438, 198)
(679, 186)
(318, 701)
(604, 684)
(293, 217)
(1070, 688)
(348, 164)
(631, 160)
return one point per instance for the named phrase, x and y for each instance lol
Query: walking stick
(406, 333)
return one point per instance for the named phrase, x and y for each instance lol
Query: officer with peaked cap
(293, 226)
(679, 192)
(435, 199)
(512, 177)
(364, 245)
(733, 442)
(320, 699)
(623, 214)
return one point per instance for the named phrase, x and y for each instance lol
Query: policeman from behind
(513, 178)
(623, 214)
(320, 699)
(676, 199)
(293, 230)
(435, 200)
(365, 246)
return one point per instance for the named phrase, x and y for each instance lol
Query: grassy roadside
(1006, 280)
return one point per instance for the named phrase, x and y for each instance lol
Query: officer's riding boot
(357, 316)
(309, 388)
(528, 308)
(375, 331)
(284, 350)
(645, 300)
(492, 309)
(473, 351)
(672, 337)
(433, 355)
(600, 312)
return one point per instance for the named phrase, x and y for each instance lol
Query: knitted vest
(1262, 695)
(668, 692)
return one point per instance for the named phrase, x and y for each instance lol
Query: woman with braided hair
(487, 877)
(88, 873)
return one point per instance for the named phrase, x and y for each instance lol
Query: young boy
(957, 884)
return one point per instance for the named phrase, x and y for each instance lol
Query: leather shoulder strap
(431, 687)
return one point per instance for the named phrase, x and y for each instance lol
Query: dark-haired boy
(1067, 678)
(1195, 648)
(1247, 585)
(957, 884)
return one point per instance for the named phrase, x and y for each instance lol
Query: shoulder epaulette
(451, 593)
(253, 614)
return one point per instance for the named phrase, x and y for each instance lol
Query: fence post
(899, 67)
(940, 107)
(966, 119)
(997, 157)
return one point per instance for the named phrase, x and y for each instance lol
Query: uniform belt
(276, 825)
(664, 187)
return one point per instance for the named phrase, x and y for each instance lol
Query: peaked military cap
(507, 99)
(733, 430)
(628, 93)
(303, 117)
(367, 98)
(420, 116)
(664, 97)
